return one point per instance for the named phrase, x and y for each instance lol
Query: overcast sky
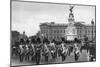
(27, 16)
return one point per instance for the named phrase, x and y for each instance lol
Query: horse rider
(64, 51)
(53, 49)
(21, 52)
(46, 52)
(76, 51)
(38, 51)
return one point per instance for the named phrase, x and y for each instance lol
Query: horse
(21, 52)
(38, 49)
(14, 49)
(53, 50)
(45, 52)
(70, 50)
(76, 52)
(64, 51)
(92, 52)
(32, 52)
(28, 52)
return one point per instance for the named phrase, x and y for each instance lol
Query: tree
(14, 35)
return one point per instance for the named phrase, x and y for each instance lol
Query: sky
(27, 16)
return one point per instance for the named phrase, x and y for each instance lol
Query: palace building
(69, 31)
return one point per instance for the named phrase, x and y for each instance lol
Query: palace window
(80, 31)
(64, 31)
(57, 31)
(88, 31)
(54, 31)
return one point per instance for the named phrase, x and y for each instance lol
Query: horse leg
(63, 57)
(46, 58)
(21, 57)
(76, 57)
(28, 57)
(68, 53)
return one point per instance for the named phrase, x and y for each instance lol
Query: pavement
(83, 57)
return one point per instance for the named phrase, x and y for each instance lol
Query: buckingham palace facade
(70, 30)
(57, 31)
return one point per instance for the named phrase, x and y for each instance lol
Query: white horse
(76, 52)
(64, 49)
(21, 49)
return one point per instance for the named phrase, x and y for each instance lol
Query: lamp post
(92, 22)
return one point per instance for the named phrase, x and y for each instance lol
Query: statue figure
(71, 15)
(71, 8)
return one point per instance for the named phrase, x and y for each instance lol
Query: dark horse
(14, 49)
(85, 47)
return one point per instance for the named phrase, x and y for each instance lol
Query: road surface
(83, 57)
